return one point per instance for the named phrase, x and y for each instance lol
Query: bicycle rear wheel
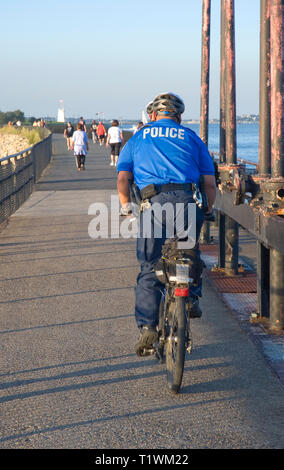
(175, 345)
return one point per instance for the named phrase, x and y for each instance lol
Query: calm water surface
(247, 139)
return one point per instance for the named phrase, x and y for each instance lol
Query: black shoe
(145, 345)
(193, 307)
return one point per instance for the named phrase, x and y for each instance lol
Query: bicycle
(178, 270)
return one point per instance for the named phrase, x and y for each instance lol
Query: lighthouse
(60, 114)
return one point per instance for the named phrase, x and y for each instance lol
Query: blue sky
(114, 56)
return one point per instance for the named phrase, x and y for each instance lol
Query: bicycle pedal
(159, 356)
(148, 352)
(189, 346)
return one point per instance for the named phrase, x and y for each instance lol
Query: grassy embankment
(32, 135)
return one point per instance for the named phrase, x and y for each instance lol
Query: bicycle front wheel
(175, 345)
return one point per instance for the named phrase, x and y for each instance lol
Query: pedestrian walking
(114, 140)
(101, 132)
(93, 130)
(140, 124)
(80, 146)
(68, 133)
(81, 121)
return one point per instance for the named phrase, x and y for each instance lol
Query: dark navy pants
(148, 290)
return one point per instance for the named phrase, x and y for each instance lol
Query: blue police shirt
(165, 152)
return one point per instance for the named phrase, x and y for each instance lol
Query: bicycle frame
(174, 270)
(169, 294)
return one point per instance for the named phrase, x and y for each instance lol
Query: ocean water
(247, 139)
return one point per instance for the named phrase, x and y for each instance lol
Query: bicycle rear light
(181, 291)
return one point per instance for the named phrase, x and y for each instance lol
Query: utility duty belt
(142, 198)
(154, 189)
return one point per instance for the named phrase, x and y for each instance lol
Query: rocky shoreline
(11, 144)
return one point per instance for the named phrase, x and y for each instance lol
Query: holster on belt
(148, 192)
(134, 191)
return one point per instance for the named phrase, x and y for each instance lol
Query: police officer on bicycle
(165, 160)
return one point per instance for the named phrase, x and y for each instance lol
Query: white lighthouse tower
(60, 114)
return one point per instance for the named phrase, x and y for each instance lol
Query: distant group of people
(77, 140)
(15, 123)
(40, 123)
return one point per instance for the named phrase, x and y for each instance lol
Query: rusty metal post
(264, 85)
(276, 313)
(263, 253)
(230, 76)
(277, 96)
(222, 87)
(222, 144)
(204, 98)
(277, 154)
(231, 227)
(263, 263)
(232, 246)
(222, 242)
(205, 71)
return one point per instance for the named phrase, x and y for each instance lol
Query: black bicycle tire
(161, 330)
(177, 338)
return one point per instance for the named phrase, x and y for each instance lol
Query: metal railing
(19, 173)
(252, 199)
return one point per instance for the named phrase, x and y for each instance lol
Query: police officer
(164, 159)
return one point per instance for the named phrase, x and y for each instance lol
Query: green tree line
(14, 116)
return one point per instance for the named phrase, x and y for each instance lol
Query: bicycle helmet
(168, 104)
(149, 107)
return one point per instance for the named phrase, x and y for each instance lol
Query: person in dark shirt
(68, 133)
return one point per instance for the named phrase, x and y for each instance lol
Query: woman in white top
(80, 146)
(114, 139)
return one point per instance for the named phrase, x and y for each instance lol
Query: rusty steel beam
(231, 246)
(261, 210)
(205, 71)
(222, 243)
(277, 155)
(277, 95)
(267, 228)
(204, 95)
(222, 146)
(276, 294)
(222, 135)
(264, 92)
(230, 74)
(264, 168)
(231, 227)
(263, 264)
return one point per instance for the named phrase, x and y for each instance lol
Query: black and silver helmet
(149, 107)
(168, 104)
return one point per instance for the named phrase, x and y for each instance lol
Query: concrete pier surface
(69, 376)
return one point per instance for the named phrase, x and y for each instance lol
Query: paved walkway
(69, 377)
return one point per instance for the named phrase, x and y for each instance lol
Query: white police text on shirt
(171, 132)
